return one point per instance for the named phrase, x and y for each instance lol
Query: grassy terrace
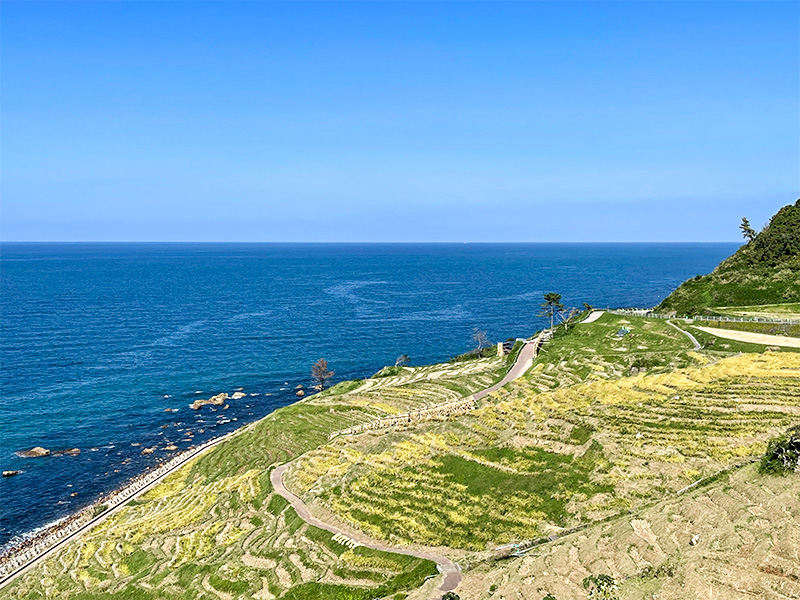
(543, 455)
(216, 529)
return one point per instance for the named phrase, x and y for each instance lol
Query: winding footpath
(450, 569)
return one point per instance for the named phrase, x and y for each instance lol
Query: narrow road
(450, 570)
(520, 367)
(697, 345)
(593, 316)
(753, 338)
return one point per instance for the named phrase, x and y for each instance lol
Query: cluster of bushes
(783, 454)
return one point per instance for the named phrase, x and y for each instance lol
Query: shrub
(601, 586)
(783, 454)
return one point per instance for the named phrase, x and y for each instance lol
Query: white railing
(644, 312)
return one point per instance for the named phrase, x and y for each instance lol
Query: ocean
(104, 346)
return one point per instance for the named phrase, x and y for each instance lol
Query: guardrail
(643, 312)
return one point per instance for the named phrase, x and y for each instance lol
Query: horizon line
(367, 242)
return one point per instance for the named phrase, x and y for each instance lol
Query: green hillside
(764, 271)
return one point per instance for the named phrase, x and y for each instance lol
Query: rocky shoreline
(17, 556)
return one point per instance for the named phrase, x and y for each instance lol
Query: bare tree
(480, 338)
(402, 360)
(565, 315)
(321, 374)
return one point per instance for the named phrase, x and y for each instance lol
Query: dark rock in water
(299, 386)
(300, 393)
(36, 452)
(67, 452)
(217, 400)
(11, 473)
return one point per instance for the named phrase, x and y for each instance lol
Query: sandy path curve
(452, 576)
(753, 338)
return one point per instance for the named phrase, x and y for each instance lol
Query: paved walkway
(753, 338)
(593, 316)
(521, 366)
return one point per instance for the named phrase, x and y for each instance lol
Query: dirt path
(753, 338)
(452, 576)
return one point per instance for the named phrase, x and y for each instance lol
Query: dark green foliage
(388, 372)
(764, 271)
(580, 434)
(138, 560)
(783, 454)
(293, 522)
(406, 580)
(277, 504)
(552, 304)
(231, 587)
(603, 587)
(451, 596)
(549, 597)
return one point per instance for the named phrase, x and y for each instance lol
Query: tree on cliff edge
(321, 374)
(551, 306)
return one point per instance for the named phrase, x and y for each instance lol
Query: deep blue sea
(97, 340)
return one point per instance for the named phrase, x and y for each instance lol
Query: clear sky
(453, 121)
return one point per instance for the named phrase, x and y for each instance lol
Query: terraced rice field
(747, 529)
(215, 529)
(528, 464)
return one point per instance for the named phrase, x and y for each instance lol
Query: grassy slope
(764, 271)
(532, 462)
(217, 528)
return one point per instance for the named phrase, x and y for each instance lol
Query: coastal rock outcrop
(300, 393)
(217, 400)
(237, 395)
(35, 452)
(11, 473)
(67, 452)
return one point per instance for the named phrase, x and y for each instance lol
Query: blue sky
(256, 121)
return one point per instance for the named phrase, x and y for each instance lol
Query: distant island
(617, 454)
